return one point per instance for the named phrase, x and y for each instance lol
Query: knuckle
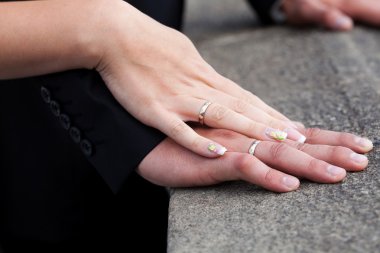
(275, 124)
(304, 7)
(313, 165)
(244, 163)
(312, 132)
(252, 127)
(251, 98)
(226, 134)
(277, 150)
(344, 137)
(337, 152)
(269, 176)
(327, 16)
(240, 106)
(219, 112)
(177, 129)
(301, 146)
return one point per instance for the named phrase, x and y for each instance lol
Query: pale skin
(275, 166)
(157, 75)
(333, 14)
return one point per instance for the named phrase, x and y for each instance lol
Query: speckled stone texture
(324, 79)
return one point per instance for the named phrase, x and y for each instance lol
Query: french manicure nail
(358, 158)
(290, 182)
(364, 143)
(295, 135)
(335, 171)
(276, 134)
(343, 23)
(216, 148)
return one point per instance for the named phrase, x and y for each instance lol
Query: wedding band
(253, 146)
(202, 112)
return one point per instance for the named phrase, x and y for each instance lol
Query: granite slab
(324, 79)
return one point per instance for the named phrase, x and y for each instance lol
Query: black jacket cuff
(113, 141)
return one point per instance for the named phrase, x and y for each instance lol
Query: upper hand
(332, 14)
(157, 74)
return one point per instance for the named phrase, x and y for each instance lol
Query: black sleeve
(167, 12)
(113, 141)
(262, 8)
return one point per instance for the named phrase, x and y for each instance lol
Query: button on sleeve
(86, 147)
(45, 94)
(75, 134)
(65, 121)
(55, 108)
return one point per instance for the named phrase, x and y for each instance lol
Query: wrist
(96, 33)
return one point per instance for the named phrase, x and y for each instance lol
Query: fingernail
(364, 143)
(358, 158)
(276, 134)
(335, 171)
(343, 22)
(295, 135)
(290, 182)
(217, 149)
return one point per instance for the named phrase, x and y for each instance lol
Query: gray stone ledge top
(324, 79)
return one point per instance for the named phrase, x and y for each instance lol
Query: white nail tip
(302, 139)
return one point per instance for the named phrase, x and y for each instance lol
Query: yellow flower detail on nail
(278, 135)
(220, 150)
(212, 147)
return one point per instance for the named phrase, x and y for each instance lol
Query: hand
(275, 166)
(157, 75)
(333, 14)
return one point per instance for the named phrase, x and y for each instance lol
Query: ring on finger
(253, 146)
(202, 112)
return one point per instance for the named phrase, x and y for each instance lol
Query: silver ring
(253, 146)
(202, 112)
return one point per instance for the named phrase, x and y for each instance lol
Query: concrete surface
(324, 79)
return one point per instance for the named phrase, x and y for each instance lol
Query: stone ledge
(324, 79)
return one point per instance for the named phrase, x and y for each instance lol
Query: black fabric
(51, 195)
(262, 8)
(167, 12)
(118, 141)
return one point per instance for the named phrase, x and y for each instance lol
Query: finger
(218, 116)
(339, 156)
(336, 20)
(298, 163)
(287, 159)
(250, 111)
(234, 89)
(184, 135)
(195, 170)
(317, 12)
(351, 141)
(363, 10)
(245, 167)
(219, 82)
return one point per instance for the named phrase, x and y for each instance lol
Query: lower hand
(332, 14)
(274, 166)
